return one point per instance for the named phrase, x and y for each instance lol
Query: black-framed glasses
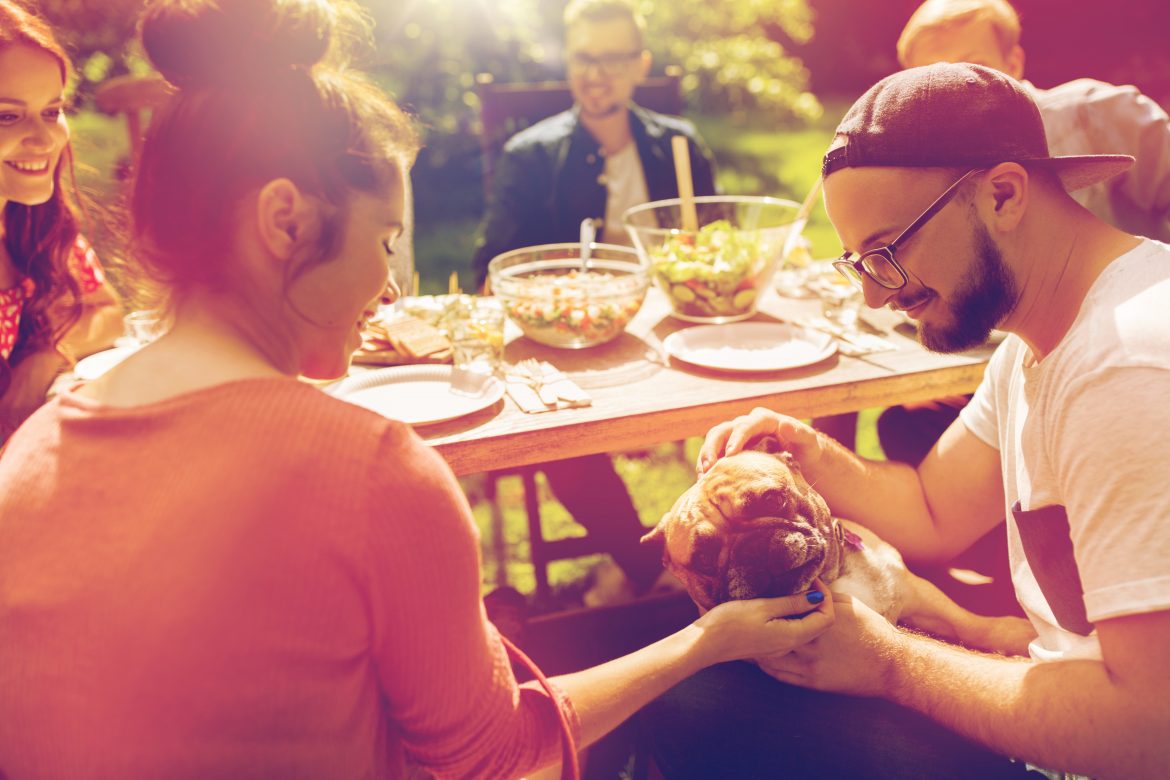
(879, 264)
(611, 64)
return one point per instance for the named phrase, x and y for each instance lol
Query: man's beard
(983, 298)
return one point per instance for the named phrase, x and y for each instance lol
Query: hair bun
(203, 42)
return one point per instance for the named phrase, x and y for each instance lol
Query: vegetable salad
(715, 272)
(575, 308)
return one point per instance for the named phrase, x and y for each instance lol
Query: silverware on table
(531, 372)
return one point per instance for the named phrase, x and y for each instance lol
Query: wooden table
(641, 397)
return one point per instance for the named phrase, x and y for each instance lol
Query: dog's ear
(657, 536)
(766, 443)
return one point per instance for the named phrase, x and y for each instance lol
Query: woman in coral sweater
(270, 582)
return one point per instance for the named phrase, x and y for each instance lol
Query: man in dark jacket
(558, 172)
(594, 161)
(597, 159)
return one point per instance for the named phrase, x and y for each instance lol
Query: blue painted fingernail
(814, 597)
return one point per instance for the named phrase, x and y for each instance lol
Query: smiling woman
(54, 303)
(33, 132)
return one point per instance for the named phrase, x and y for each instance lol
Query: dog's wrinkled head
(750, 527)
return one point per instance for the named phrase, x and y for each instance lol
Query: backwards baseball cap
(956, 115)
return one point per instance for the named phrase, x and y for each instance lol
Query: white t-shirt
(1088, 428)
(625, 186)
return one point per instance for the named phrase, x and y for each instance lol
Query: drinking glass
(792, 275)
(841, 301)
(477, 340)
(140, 328)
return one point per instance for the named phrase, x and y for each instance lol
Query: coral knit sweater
(253, 580)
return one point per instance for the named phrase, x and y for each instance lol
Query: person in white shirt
(951, 208)
(1084, 116)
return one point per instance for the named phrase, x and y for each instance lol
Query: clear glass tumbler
(477, 340)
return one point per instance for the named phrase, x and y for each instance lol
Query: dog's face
(750, 527)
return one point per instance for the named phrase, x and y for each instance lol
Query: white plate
(93, 366)
(749, 346)
(416, 394)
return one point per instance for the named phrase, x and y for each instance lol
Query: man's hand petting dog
(728, 438)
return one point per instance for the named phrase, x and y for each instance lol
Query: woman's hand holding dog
(764, 628)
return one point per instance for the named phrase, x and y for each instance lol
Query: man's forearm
(1067, 715)
(929, 513)
(884, 496)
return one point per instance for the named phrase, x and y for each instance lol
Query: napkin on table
(558, 391)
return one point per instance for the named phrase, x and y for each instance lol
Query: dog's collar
(847, 538)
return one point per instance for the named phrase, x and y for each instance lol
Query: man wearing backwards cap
(941, 187)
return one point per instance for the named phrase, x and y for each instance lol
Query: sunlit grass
(655, 478)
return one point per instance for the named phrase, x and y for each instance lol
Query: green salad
(575, 308)
(712, 273)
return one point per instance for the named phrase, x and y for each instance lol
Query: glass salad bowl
(561, 298)
(718, 272)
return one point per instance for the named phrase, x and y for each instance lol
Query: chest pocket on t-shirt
(1045, 537)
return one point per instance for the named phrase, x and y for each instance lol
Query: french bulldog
(752, 526)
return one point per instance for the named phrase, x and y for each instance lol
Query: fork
(532, 372)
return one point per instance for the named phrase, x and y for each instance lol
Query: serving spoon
(588, 235)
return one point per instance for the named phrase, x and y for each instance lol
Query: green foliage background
(99, 35)
(429, 51)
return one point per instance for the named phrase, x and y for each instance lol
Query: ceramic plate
(749, 346)
(93, 366)
(416, 394)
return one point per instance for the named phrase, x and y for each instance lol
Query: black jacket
(549, 179)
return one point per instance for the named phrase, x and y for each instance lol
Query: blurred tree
(733, 64)
(429, 51)
(99, 35)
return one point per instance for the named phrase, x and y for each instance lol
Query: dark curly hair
(40, 238)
